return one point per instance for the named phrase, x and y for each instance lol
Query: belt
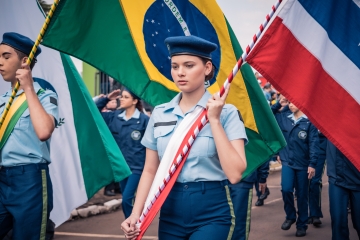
(25, 168)
(199, 186)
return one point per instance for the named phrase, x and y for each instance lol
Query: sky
(245, 17)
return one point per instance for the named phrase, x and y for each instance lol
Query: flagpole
(30, 59)
(250, 47)
(147, 216)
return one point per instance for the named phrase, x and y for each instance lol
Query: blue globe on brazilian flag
(125, 39)
(166, 18)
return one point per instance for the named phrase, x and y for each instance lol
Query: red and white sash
(170, 166)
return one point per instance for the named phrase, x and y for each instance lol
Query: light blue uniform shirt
(203, 162)
(292, 117)
(23, 146)
(135, 115)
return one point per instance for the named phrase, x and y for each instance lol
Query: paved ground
(265, 221)
(99, 198)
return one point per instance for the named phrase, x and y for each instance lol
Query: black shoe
(265, 195)
(316, 221)
(259, 202)
(50, 230)
(117, 188)
(109, 193)
(310, 220)
(287, 224)
(300, 232)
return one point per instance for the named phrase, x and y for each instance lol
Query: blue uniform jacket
(322, 146)
(128, 135)
(281, 116)
(263, 172)
(302, 139)
(340, 170)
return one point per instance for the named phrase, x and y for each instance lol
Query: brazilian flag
(125, 39)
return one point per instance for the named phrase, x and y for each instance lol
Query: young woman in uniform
(298, 159)
(199, 205)
(127, 125)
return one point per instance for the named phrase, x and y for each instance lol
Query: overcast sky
(245, 17)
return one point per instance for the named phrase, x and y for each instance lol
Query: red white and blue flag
(311, 54)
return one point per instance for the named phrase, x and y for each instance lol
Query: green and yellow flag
(125, 39)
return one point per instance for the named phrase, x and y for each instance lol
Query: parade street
(265, 221)
(179, 119)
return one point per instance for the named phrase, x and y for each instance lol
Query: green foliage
(61, 122)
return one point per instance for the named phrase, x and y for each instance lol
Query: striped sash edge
(15, 112)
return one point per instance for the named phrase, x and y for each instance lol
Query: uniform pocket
(204, 144)
(24, 121)
(162, 134)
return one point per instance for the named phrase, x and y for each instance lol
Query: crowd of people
(209, 200)
(303, 164)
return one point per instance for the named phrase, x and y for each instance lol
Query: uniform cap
(190, 45)
(20, 43)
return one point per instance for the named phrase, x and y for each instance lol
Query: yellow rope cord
(30, 58)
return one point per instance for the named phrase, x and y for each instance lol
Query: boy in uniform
(25, 186)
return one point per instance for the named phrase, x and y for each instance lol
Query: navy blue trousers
(257, 189)
(25, 201)
(128, 188)
(242, 200)
(315, 189)
(339, 198)
(288, 178)
(197, 211)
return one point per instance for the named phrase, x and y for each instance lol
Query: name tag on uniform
(158, 124)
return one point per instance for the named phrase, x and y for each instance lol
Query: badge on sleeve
(302, 135)
(53, 101)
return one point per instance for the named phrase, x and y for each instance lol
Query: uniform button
(186, 187)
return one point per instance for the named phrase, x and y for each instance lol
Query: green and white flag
(84, 155)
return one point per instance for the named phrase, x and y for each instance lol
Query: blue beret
(190, 45)
(20, 43)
